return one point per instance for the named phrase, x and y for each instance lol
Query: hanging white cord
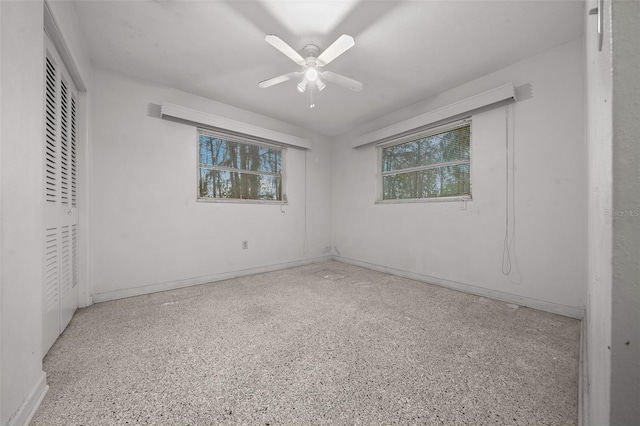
(516, 276)
(306, 238)
(509, 259)
(506, 256)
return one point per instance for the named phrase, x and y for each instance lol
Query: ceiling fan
(312, 76)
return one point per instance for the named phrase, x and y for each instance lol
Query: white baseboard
(542, 305)
(30, 405)
(555, 308)
(171, 285)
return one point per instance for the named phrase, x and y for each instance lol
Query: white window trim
(248, 141)
(419, 135)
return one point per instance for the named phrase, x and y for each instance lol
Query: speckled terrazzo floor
(326, 343)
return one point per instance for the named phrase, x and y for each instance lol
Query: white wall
(625, 297)
(149, 233)
(440, 242)
(21, 47)
(70, 43)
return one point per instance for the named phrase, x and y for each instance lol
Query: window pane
(214, 184)
(444, 181)
(270, 160)
(260, 158)
(237, 155)
(269, 187)
(399, 186)
(401, 156)
(225, 184)
(215, 151)
(444, 147)
(452, 145)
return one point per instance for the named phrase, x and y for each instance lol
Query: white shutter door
(61, 200)
(51, 317)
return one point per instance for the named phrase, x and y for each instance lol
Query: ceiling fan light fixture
(302, 86)
(311, 74)
(311, 95)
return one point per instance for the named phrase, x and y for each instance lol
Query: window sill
(240, 201)
(464, 198)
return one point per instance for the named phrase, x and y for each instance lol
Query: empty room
(319, 212)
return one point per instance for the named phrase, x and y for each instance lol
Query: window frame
(398, 140)
(247, 141)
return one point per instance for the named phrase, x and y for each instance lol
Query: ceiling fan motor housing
(311, 51)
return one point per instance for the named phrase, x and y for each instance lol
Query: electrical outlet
(245, 245)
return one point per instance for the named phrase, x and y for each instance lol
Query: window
(433, 164)
(234, 168)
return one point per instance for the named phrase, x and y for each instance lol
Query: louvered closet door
(61, 200)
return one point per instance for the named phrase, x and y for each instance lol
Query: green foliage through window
(432, 165)
(232, 169)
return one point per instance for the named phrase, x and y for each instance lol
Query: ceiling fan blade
(341, 80)
(341, 45)
(277, 42)
(279, 79)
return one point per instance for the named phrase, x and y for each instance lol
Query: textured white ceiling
(405, 51)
